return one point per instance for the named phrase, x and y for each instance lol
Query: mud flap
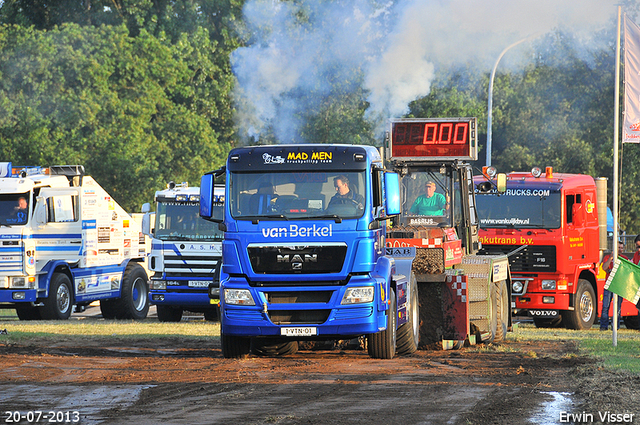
(455, 309)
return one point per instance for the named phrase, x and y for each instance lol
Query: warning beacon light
(422, 138)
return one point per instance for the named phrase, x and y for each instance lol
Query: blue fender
(382, 272)
(45, 274)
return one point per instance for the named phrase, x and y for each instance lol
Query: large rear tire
(169, 314)
(382, 345)
(584, 313)
(59, 303)
(492, 313)
(234, 347)
(409, 333)
(134, 298)
(502, 310)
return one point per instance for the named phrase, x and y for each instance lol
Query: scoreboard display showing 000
(453, 138)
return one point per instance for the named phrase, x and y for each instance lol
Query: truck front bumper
(17, 295)
(316, 308)
(342, 322)
(184, 299)
(536, 301)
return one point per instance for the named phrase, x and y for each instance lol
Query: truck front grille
(313, 317)
(189, 265)
(298, 297)
(292, 259)
(533, 258)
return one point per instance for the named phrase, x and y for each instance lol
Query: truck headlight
(159, 285)
(358, 295)
(517, 287)
(238, 297)
(549, 284)
(23, 282)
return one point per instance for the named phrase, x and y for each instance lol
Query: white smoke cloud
(397, 46)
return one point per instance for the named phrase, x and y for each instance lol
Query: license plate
(544, 314)
(199, 284)
(307, 331)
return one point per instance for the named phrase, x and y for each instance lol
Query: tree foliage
(139, 91)
(136, 91)
(126, 108)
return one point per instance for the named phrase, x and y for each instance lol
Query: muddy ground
(181, 381)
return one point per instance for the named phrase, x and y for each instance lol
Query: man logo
(296, 260)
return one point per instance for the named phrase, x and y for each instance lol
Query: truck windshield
(525, 208)
(297, 195)
(427, 197)
(14, 209)
(181, 221)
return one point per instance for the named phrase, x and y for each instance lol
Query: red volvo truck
(548, 224)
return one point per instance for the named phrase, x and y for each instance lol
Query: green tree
(121, 106)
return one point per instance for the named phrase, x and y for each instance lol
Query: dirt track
(180, 382)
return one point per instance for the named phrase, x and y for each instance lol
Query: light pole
(489, 107)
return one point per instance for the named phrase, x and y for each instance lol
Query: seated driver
(344, 193)
(431, 203)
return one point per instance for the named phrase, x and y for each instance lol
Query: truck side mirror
(392, 190)
(501, 182)
(40, 213)
(146, 207)
(207, 198)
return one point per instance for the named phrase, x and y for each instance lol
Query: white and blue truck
(185, 252)
(65, 242)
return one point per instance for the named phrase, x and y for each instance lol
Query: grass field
(624, 356)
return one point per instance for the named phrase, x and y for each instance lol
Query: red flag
(631, 125)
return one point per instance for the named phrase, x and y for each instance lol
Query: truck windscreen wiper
(255, 219)
(337, 218)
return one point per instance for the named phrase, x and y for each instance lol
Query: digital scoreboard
(423, 138)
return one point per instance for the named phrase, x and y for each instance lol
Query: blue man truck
(304, 249)
(185, 252)
(66, 242)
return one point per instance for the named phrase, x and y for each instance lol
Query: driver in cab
(344, 195)
(431, 203)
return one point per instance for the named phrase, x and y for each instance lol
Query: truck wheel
(134, 299)
(492, 313)
(29, 312)
(109, 309)
(234, 347)
(631, 322)
(58, 305)
(169, 314)
(503, 311)
(584, 312)
(273, 348)
(212, 315)
(409, 333)
(382, 345)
